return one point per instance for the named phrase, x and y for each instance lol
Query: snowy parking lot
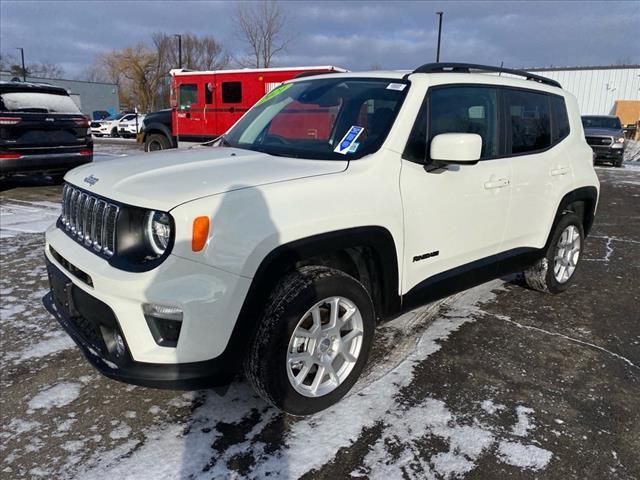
(497, 382)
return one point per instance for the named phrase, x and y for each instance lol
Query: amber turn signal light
(200, 233)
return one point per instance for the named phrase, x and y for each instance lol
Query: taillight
(86, 151)
(82, 122)
(9, 155)
(10, 120)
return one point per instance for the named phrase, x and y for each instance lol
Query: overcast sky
(354, 35)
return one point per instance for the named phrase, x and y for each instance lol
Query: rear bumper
(44, 162)
(92, 318)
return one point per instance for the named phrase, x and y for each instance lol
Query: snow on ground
(57, 396)
(207, 444)
(18, 216)
(632, 151)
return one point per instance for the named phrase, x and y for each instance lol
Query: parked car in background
(41, 130)
(110, 126)
(130, 128)
(605, 136)
(98, 115)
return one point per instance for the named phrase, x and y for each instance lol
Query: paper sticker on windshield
(275, 92)
(396, 86)
(344, 146)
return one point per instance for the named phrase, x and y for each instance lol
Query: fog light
(164, 322)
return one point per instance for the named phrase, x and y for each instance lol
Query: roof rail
(469, 67)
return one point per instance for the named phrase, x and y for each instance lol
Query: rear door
(33, 121)
(540, 164)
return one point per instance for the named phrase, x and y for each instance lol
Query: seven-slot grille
(89, 220)
(599, 141)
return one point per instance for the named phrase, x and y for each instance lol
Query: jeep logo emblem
(91, 180)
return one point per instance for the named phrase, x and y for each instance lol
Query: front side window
(188, 95)
(466, 110)
(314, 118)
(529, 120)
(232, 92)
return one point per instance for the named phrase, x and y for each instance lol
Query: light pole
(439, 35)
(24, 72)
(179, 37)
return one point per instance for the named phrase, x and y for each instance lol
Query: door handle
(502, 182)
(555, 172)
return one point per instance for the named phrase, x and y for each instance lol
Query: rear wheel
(156, 141)
(555, 271)
(313, 340)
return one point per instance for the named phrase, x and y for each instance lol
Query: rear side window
(560, 118)
(528, 119)
(37, 102)
(232, 92)
(188, 95)
(466, 110)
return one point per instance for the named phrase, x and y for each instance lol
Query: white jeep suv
(336, 202)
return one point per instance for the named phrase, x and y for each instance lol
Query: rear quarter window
(560, 118)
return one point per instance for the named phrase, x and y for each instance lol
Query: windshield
(37, 102)
(334, 118)
(612, 123)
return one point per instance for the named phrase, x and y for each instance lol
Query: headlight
(620, 140)
(157, 231)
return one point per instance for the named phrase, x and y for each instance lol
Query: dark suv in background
(605, 137)
(41, 130)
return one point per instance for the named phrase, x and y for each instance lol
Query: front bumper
(607, 153)
(44, 162)
(210, 299)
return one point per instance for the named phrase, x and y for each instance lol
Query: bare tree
(198, 53)
(262, 27)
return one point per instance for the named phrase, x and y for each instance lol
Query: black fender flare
(589, 196)
(158, 127)
(282, 258)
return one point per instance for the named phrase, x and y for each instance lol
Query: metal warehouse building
(597, 88)
(89, 96)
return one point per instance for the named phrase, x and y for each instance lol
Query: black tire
(266, 359)
(618, 163)
(114, 132)
(57, 178)
(541, 276)
(156, 141)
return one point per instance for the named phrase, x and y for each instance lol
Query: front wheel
(155, 142)
(313, 340)
(555, 271)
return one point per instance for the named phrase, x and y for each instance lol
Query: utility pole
(439, 35)
(179, 49)
(24, 72)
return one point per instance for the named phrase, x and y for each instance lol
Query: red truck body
(207, 104)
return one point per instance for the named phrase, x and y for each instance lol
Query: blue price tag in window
(344, 146)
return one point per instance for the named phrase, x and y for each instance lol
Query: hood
(164, 179)
(605, 132)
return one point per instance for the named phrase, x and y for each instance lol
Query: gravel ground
(499, 382)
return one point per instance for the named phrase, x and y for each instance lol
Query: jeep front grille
(89, 220)
(595, 141)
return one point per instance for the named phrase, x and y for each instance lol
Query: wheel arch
(583, 202)
(160, 128)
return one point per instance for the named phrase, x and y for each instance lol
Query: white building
(597, 88)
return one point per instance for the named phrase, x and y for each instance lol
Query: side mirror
(462, 148)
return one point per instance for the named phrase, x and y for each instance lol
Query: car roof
(492, 78)
(31, 87)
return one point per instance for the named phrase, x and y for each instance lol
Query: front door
(456, 215)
